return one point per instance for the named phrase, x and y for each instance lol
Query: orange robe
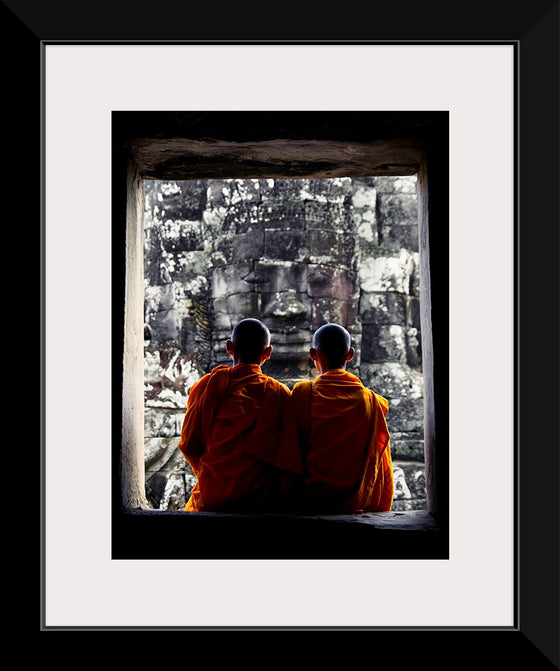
(240, 437)
(346, 444)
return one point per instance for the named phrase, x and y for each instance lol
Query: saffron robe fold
(240, 437)
(345, 444)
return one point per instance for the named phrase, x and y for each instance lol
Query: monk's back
(338, 428)
(252, 429)
(237, 412)
(229, 447)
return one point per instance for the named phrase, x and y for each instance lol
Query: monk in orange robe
(239, 432)
(344, 435)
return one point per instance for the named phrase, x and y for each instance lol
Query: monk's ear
(313, 353)
(350, 354)
(267, 352)
(229, 347)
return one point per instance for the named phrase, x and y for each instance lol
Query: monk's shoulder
(301, 388)
(202, 382)
(382, 401)
(277, 387)
(297, 387)
(378, 399)
(199, 385)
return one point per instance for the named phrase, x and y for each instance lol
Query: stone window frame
(179, 146)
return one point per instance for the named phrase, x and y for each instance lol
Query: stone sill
(153, 534)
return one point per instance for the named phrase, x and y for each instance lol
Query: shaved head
(250, 338)
(334, 342)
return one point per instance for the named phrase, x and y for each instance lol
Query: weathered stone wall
(297, 254)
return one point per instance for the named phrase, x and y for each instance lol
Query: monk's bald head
(250, 341)
(334, 343)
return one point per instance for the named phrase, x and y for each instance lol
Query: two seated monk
(256, 447)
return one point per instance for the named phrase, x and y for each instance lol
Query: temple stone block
(398, 237)
(332, 247)
(337, 190)
(383, 308)
(241, 217)
(175, 202)
(407, 415)
(393, 380)
(405, 447)
(227, 280)
(388, 273)
(383, 343)
(330, 281)
(247, 246)
(271, 276)
(282, 190)
(285, 245)
(397, 209)
(241, 306)
(190, 266)
(282, 215)
(332, 310)
(328, 216)
(413, 346)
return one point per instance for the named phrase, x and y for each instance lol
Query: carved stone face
(286, 308)
(293, 298)
(286, 254)
(276, 293)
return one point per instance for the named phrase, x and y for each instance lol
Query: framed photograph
(492, 70)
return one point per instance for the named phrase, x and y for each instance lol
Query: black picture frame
(532, 26)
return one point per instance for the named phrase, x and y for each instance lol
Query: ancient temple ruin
(296, 253)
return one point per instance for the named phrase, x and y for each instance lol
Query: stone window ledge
(153, 534)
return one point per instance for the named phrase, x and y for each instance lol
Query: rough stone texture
(296, 253)
(410, 486)
(164, 158)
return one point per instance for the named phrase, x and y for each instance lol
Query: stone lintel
(181, 158)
